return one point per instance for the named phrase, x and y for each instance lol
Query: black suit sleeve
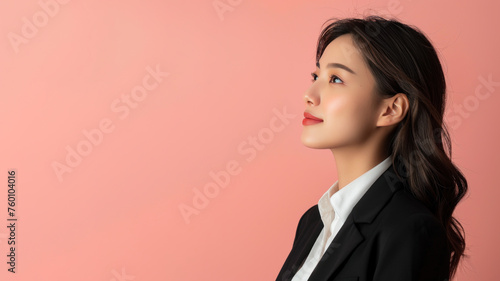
(413, 250)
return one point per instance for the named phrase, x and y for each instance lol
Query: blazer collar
(377, 196)
(365, 211)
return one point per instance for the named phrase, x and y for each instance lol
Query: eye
(336, 79)
(333, 78)
(314, 76)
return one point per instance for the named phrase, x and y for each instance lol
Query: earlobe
(394, 109)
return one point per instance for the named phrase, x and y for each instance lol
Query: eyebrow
(338, 65)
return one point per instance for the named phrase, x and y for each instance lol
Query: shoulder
(406, 216)
(309, 219)
(311, 213)
(311, 216)
(409, 241)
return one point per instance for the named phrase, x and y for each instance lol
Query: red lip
(310, 119)
(310, 116)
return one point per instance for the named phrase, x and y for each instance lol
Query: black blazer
(388, 236)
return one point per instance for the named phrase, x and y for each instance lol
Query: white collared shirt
(334, 207)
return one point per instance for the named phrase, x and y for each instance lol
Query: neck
(353, 162)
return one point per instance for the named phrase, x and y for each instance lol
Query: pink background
(65, 67)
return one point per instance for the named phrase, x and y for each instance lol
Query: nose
(311, 97)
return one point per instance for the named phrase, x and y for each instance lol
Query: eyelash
(331, 77)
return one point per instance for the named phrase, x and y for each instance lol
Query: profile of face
(342, 95)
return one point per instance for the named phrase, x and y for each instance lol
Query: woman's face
(343, 96)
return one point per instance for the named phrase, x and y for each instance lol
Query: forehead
(342, 50)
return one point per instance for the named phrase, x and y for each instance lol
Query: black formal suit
(388, 236)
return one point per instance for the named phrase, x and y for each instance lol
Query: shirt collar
(339, 203)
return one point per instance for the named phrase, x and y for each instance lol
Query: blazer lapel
(342, 245)
(349, 236)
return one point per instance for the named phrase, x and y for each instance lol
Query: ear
(393, 110)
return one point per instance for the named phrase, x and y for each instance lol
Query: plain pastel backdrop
(160, 140)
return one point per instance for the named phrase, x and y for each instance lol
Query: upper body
(334, 207)
(388, 236)
(379, 90)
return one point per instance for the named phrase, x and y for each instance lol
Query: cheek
(349, 117)
(348, 110)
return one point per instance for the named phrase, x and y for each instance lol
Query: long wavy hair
(403, 60)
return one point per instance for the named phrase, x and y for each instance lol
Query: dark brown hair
(403, 60)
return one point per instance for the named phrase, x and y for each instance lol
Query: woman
(377, 102)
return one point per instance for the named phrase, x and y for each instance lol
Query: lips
(310, 119)
(310, 116)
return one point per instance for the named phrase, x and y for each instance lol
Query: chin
(312, 142)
